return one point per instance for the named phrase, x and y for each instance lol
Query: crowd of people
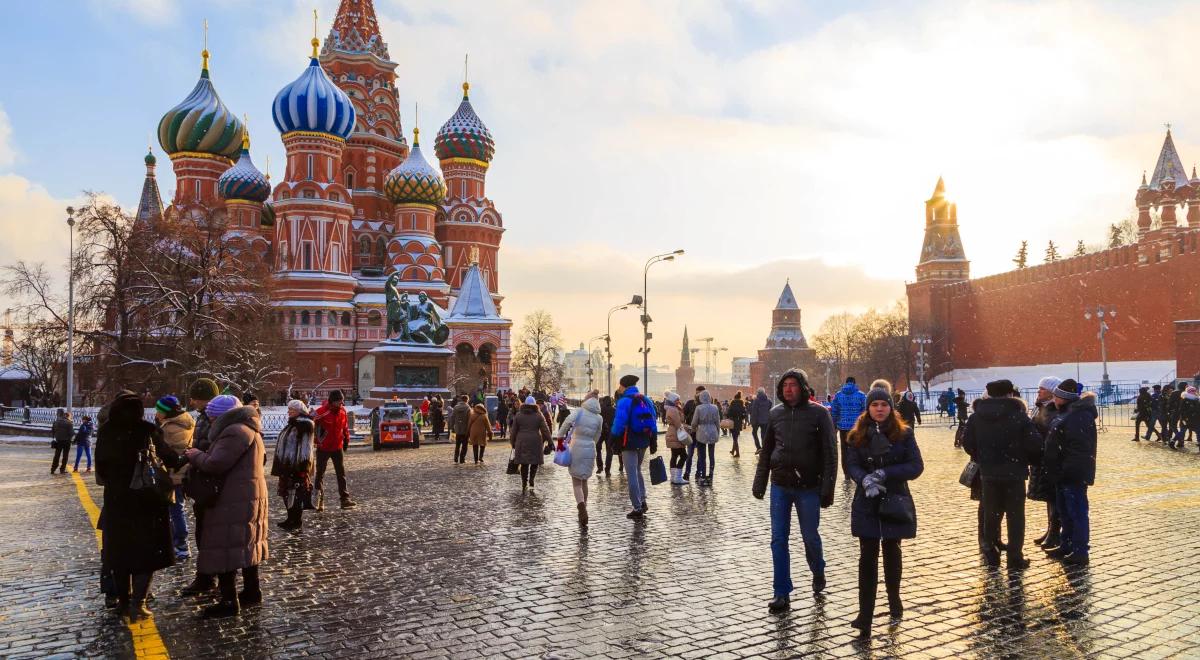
(217, 458)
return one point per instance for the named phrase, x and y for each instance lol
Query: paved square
(443, 560)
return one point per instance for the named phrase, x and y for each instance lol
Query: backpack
(642, 417)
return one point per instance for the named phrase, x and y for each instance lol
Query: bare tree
(537, 355)
(41, 350)
(834, 341)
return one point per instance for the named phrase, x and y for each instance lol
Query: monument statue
(412, 323)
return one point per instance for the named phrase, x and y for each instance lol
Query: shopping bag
(683, 436)
(512, 464)
(658, 470)
(562, 455)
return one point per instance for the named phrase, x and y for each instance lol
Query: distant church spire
(356, 30)
(942, 255)
(685, 356)
(150, 206)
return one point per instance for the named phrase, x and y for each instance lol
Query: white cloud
(149, 12)
(8, 153)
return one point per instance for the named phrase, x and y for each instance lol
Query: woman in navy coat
(882, 458)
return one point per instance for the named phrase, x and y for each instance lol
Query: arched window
(346, 318)
(374, 318)
(381, 251)
(364, 246)
(349, 180)
(317, 318)
(293, 317)
(304, 317)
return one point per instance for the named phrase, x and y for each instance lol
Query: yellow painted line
(146, 641)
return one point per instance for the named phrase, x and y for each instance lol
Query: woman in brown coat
(528, 434)
(234, 533)
(678, 449)
(479, 431)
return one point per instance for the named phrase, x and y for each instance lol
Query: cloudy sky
(768, 138)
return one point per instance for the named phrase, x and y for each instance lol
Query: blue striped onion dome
(201, 123)
(243, 181)
(464, 135)
(313, 103)
(415, 180)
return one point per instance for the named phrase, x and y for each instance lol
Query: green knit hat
(204, 389)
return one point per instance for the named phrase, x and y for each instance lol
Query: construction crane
(709, 354)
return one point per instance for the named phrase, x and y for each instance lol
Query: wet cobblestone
(442, 560)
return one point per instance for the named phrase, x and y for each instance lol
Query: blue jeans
(1072, 503)
(179, 530)
(633, 473)
(711, 451)
(808, 509)
(81, 449)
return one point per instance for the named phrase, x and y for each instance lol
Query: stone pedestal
(410, 371)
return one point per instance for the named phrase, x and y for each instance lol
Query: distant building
(785, 348)
(740, 367)
(575, 381)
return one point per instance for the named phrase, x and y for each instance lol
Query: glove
(880, 475)
(826, 500)
(758, 493)
(875, 490)
(653, 446)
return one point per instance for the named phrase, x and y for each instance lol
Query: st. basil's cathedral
(357, 205)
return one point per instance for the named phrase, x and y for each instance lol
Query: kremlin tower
(355, 205)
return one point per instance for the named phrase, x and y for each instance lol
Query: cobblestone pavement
(443, 560)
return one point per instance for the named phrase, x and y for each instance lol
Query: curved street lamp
(658, 258)
(633, 302)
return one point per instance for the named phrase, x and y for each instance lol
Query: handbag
(204, 488)
(512, 463)
(970, 474)
(897, 508)
(727, 424)
(658, 471)
(683, 436)
(150, 476)
(562, 455)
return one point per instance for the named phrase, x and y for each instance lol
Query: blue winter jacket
(621, 423)
(848, 404)
(901, 464)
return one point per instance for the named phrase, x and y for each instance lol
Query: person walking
(333, 439)
(1189, 417)
(425, 405)
(135, 526)
(294, 462)
(1071, 464)
(737, 415)
(437, 417)
(83, 443)
(479, 431)
(689, 410)
(502, 413)
(1003, 441)
(63, 431)
(1171, 402)
(706, 424)
(800, 454)
(608, 410)
(882, 456)
(1041, 489)
(528, 435)
(1142, 414)
(961, 407)
(760, 411)
(584, 425)
(235, 527)
(177, 427)
(202, 391)
(1156, 413)
(848, 405)
(674, 416)
(909, 411)
(634, 430)
(460, 418)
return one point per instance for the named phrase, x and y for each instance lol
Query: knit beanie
(169, 406)
(879, 394)
(881, 384)
(628, 380)
(204, 389)
(221, 404)
(1066, 390)
(299, 406)
(1049, 383)
(530, 401)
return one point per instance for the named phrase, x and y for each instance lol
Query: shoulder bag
(203, 487)
(970, 474)
(897, 508)
(150, 476)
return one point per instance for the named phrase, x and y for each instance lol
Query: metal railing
(272, 421)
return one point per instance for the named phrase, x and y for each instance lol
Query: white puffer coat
(706, 421)
(588, 423)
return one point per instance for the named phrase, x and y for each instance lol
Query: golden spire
(204, 53)
(245, 133)
(466, 85)
(315, 41)
(267, 167)
(416, 124)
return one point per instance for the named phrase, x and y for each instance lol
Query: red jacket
(333, 428)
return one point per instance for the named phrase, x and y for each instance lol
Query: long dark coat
(136, 528)
(529, 433)
(235, 527)
(901, 463)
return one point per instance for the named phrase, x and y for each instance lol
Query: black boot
(201, 585)
(780, 604)
(228, 605)
(583, 515)
(892, 568)
(251, 593)
(292, 523)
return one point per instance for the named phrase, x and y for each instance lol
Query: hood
(910, 396)
(996, 408)
(125, 409)
(630, 391)
(530, 408)
(479, 408)
(848, 388)
(791, 373)
(592, 406)
(762, 396)
(705, 397)
(244, 415)
(302, 420)
(1086, 403)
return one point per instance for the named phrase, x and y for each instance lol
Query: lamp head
(678, 252)
(637, 300)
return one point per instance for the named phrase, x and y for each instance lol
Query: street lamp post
(1100, 313)
(922, 364)
(666, 256)
(591, 370)
(828, 362)
(71, 310)
(633, 302)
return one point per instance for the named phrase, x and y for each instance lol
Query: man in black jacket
(1141, 409)
(800, 454)
(1071, 463)
(1170, 399)
(63, 431)
(1002, 439)
(1156, 413)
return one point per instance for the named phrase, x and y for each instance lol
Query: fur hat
(671, 396)
(204, 389)
(1049, 383)
(1000, 388)
(221, 404)
(1067, 390)
(628, 380)
(299, 406)
(881, 384)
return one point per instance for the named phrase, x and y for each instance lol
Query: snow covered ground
(1089, 373)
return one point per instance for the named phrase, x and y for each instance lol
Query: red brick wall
(1035, 315)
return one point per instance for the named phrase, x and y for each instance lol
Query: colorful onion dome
(150, 159)
(243, 181)
(464, 135)
(313, 103)
(201, 123)
(415, 180)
